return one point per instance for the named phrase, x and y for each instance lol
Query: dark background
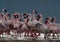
(46, 7)
(30, 41)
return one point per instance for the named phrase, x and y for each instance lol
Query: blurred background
(45, 7)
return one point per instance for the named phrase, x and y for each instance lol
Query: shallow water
(10, 37)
